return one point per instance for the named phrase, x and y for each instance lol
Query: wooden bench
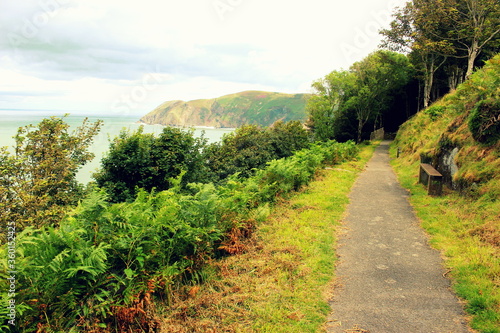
(431, 178)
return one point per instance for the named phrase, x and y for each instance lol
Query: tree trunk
(455, 77)
(428, 83)
(360, 130)
(473, 53)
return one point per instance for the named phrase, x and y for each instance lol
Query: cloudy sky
(127, 57)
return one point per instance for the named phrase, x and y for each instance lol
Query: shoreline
(194, 126)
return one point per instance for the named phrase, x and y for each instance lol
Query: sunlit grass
(305, 229)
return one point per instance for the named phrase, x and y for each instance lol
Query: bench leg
(423, 178)
(435, 186)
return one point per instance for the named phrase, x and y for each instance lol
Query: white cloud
(90, 54)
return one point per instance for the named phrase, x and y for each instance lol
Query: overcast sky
(127, 57)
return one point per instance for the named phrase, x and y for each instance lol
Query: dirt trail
(389, 279)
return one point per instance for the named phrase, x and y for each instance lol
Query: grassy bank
(465, 231)
(280, 280)
(460, 135)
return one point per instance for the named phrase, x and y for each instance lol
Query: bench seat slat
(429, 169)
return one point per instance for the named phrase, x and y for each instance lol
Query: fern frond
(57, 263)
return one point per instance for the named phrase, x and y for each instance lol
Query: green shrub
(250, 148)
(435, 111)
(141, 160)
(484, 121)
(99, 270)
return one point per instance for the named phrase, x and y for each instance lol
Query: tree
(38, 180)
(325, 106)
(360, 95)
(377, 79)
(139, 160)
(433, 31)
(413, 32)
(476, 24)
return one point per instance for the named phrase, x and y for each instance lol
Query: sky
(126, 57)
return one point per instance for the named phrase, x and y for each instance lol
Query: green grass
(466, 231)
(281, 282)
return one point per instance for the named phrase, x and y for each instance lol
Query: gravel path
(388, 277)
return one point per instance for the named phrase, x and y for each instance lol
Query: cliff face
(235, 110)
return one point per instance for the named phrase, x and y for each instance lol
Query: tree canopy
(445, 34)
(38, 179)
(139, 160)
(345, 101)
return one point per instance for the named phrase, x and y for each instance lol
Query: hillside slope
(248, 107)
(460, 134)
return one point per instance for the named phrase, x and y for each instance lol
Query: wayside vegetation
(104, 257)
(159, 209)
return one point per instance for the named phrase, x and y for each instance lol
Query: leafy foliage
(142, 161)
(100, 269)
(445, 39)
(38, 179)
(435, 111)
(251, 147)
(326, 107)
(138, 160)
(346, 101)
(484, 121)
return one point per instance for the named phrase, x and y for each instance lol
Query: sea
(11, 120)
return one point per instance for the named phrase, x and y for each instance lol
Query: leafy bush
(138, 160)
(100, 269)
(435, 111)
(251, 147)
(484, 121)
(142, 161)
(37, 181)
(285, 175)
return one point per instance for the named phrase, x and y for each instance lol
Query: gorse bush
(102, 267)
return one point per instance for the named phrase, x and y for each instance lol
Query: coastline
(186, 126)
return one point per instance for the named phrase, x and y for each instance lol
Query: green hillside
(461, 132)
(460, 135)
(248, 107)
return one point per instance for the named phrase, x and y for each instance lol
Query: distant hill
(248, 107)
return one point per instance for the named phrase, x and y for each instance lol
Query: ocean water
(11, 120)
